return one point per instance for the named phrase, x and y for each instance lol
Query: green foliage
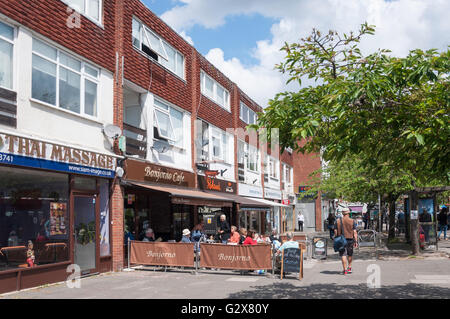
(392, 112)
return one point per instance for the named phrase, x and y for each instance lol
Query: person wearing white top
(301, 220)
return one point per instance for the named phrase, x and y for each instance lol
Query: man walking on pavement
(347, 227)
(301, 220)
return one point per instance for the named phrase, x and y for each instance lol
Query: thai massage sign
(23, 151)
(142, 171)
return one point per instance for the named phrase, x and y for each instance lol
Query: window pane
(77, 5)
(105, 247)
(245, 115)
(155, 43)
(170, 64)
(165, 127)
(177, 121)
(44, 80)
(91, 71)
(33, 207)
(216, 147)
(136, 34)
(241, 111)
(6, 64)
(69, 62)
(220, 96)
(94, 9)
(6, 31)
(69, 90)
(84, 183)
(44, 49)
(161, 105)
(90, 98)
(180, 65)
(209, 87)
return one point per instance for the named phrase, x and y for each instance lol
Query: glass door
(85, 232)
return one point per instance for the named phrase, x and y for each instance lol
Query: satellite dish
(119, 172)
(112, 131)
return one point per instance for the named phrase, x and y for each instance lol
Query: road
(412, 278)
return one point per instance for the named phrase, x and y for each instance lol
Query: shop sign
(141, 171)
(272, 194)
(286, 202)
(250, 191)
(23, 151)
(213, 184)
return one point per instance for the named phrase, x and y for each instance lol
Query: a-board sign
(319, 247)
(292, 261)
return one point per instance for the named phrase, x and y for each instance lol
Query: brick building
(71, 72)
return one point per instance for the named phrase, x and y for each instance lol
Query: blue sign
(54, 166)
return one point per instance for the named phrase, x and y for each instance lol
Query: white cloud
(401, 25)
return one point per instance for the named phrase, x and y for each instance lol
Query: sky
(242, 38)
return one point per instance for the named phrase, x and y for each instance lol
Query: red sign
(286, 202)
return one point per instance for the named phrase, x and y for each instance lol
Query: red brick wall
(49, 18)
(305, 164)
(149, 74)
(209, 110)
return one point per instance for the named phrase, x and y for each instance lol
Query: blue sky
(243, 37)
(237, 36)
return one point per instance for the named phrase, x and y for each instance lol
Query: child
(30, 254)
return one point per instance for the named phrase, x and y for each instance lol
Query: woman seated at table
(235, 237)
(250, 239)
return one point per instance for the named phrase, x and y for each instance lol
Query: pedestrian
(289, 243)
(224, 231)
(186, 236)
(149, 235)
(331, 220)
(301, 220)
(443, 223)
(235, 237)
(242, 235)
(366, 220)
(250, 238)
(425, 217)
(347, 227)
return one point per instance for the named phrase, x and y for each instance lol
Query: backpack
(340, 242)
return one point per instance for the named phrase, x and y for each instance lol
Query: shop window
(6, 55)
(105, 247)
(34, 218)
(63, 81)
(84, 183)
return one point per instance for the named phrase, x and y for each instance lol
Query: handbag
(339, 242)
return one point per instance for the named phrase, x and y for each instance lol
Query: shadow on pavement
(333, 291)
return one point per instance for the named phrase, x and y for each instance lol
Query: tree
(395, 109)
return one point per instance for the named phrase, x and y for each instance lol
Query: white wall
(41, 121)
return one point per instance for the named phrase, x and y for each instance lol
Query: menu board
(58, 213)
(292, 261)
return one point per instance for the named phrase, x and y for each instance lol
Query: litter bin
(319, 247)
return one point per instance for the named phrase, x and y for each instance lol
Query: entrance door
(85, 233)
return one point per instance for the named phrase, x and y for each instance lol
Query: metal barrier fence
(205, 255)
(368, 238)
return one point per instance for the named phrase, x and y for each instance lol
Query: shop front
(259, 216)
(54, 211)
(166, 200)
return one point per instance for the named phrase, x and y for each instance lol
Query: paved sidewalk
(322, 279)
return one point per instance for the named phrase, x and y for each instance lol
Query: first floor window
(214, 91)
(168, 124)
(6, 55)
(76, 89)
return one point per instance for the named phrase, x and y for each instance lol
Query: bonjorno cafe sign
(15, 150)
(140, 171)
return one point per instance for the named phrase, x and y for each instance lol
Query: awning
(188, 196)
(356, 209)
(245, 203)
(270, 203)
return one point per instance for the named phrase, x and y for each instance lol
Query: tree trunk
(392, 200)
